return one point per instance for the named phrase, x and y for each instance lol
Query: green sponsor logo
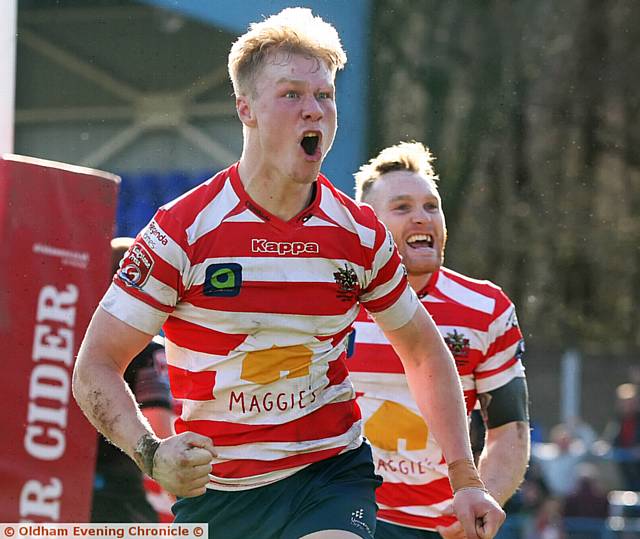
(223, 280)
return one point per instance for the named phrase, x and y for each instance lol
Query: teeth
(420, 237)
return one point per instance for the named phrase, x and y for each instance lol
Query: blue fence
(141, 195)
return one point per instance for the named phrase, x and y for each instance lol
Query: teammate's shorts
(386, 530)
(333, 494)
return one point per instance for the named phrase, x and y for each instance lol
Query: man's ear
(245, 111)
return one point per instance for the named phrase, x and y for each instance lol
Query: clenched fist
(182, 464)
(479, 514)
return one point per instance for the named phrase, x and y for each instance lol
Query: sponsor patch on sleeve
(136, 266)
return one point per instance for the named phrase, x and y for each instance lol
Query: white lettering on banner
(38, 500)
(58, 306)
(284, 247)
(69, 258)
(49, 393)
(48, 382)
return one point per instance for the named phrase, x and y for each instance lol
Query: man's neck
(279, 196)
(418, 282)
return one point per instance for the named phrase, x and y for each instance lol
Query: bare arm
(504, 459)
(98, 384)
(436, 388)
(180, 464)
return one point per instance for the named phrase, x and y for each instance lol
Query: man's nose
(311, 109)
(420, 215)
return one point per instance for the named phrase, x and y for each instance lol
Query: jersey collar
(430, 286)
(266, 216)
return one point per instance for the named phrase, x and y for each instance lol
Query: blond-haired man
(479, 325)
(255, 277)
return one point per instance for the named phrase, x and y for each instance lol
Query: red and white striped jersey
(478, 322)
(256, 313)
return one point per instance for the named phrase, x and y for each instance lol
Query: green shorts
(386, 530)
(333, 494)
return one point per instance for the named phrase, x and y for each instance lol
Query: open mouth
(310, 142)
(417, 241)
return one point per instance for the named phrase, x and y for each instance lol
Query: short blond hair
(294, 31)
(409, 156)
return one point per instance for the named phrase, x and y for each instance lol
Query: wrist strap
(145, 452)
(463, 474)
(483, 489)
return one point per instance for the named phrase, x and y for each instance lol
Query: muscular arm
(505, 457)
(180, 463)
(99, 386)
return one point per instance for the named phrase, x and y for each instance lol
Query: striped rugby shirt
(479, 324)
(256, 313)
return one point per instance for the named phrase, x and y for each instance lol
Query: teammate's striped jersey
(256, 313)
(479, 324)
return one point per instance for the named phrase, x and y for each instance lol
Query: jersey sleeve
(503, 359)
(149, 282)
(387, 295)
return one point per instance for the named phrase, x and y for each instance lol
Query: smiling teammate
(256, 276)
(478, 323)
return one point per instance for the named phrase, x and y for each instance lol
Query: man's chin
(308, 173)
(422, 268)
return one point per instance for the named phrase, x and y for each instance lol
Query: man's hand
(478, 513)
(182, 464)
(454, 531)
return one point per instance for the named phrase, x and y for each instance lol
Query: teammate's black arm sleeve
(506, 404)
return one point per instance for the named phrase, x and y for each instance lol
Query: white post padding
(8, 35)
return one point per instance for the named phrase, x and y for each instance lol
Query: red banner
(56, 222)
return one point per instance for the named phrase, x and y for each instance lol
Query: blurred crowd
(582, 484)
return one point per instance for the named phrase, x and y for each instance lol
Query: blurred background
(532, 108)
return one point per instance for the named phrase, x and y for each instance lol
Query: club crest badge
(347, 282)
(459, 346)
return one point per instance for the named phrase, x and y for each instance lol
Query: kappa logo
(284, 247)
(136, 266)
(222, 280)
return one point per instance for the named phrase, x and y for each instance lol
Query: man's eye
(402, 207)
(291, 94)
(325, 95)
